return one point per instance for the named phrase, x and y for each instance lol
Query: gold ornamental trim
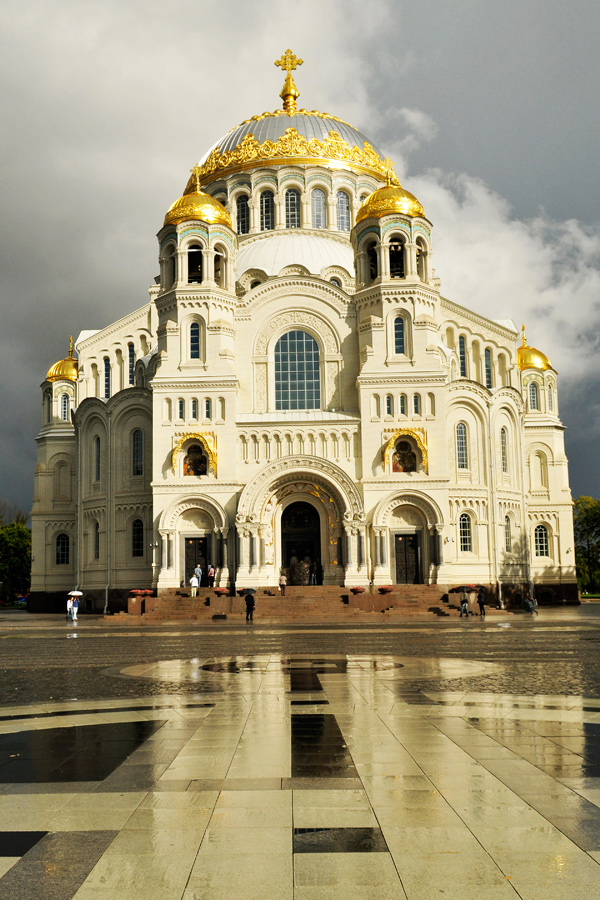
(294, 112)
(292, 145)
(417, 435)
(208, 441)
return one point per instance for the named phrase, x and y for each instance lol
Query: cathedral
(298, 396)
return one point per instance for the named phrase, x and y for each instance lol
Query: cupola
(389, 200)
(530, 357)
(198, 205)
(65, 369)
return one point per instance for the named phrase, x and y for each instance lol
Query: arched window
(375, 406)
(219, 269)
(62, 550)
(542, 545)
(96, 540)
(170, 267)
(208, 408)
(372, 261)
(195, 340)
(389, 405)
(343, 211)
(48, 408)
(462, 455)
(462, 355)
(64, 407)
(195, 259)
(194, 409)
(534, 396)
(137, 452)
(181, 409)
(488, 368)
(399, 334)
(464, 532)
(507, 535)
(97, 455)
(243, 214)
(137, 538)
(318, 206)
(292, 208)
(421, 254)
(297, 372)
(417, 404)
(222, 408)
(267, 211)
(106, 377)
(504, 449)
(336, 281)
(397, 267)
(402, 404)
(550, 399)
(131, 361)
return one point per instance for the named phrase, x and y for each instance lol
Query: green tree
(586, 521)
(15, 560)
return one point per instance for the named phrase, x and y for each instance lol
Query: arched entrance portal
(301, 543)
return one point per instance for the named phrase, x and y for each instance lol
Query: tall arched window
(194, 409)
(462, 454)
(106, 377)
(137, 538)
(96, 540)
(462, 355)
(267, 211)
(372, 262)
(62, 550)
(64, 407)
(402, 404)
(297, 372)
(243, 214)
(464, 533)
(542, 544)
(534, 396)
(170, 267)
(131, 361)
(292, 208)
(219, 269)
(343, 211)
(97, 460)
(504, 449)
(421, 255)
(208, 408)
(389, 405)
(507, 535)
(48, 408)
(137, 452)
(195, 259)
(397, 267)
(195, 340)
(399, 334)
(181, 409)
(488, 368)
(550, 399)
(318, 207)
(417, 404)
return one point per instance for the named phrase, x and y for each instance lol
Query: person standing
(481, 601)
(464, 604)
(250, 604)
(211, 575)
(194, 584)
(69, 608)
(282, 584)
(198, 574)
(75, 608)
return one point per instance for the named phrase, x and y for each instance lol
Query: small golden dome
(388, 200)
(530, 358)
(65, 369)
(198, 205)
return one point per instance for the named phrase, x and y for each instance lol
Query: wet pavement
(454, 759)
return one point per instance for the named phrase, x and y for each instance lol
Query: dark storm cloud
(107, 106)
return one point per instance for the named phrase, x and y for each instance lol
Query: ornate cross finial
(196, 176)
(70, 345)
(290, 92)
(524, 339)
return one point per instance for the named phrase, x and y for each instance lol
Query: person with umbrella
(250, 604)
(73, 604)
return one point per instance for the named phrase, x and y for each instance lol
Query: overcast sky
(489, 111)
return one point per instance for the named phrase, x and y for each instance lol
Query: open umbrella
(75, 594)
(245, 591)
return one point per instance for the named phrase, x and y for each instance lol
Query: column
(208, 259)
(383, 255)
(410, 259)
(181, 274)
(254, 216)
(331, 213)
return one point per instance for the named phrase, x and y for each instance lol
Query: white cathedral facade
(299, 395)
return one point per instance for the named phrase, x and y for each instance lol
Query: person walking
(481, 601)
(464, 604)
(250, 604)
(211, 575)
(198, 574)
(69, 609)
(75, 608)
(194, 584)
(282, 584)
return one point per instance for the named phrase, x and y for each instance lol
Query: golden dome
(198, 205)
(388, 200)
(530, 358)
(65, 369)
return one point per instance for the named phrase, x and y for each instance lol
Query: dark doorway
(197, 551)
(408, 558)
(301, 543)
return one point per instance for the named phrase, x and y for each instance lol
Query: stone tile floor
(302, 763)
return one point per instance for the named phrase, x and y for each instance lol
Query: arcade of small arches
(393, 256)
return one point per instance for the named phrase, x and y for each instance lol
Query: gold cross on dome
(289, 61)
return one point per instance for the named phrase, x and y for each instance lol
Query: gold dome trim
(389, 200)
(291, 145)
(198, 205)
(531, 358)
(294, 112)
(65, 369)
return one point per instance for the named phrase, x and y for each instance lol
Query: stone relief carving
(260, 382)
(296, 317)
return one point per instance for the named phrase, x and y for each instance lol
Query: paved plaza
(430, 759)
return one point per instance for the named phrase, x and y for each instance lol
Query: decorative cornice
(461, 311)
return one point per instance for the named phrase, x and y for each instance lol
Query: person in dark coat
(481, 601)
(250, 604)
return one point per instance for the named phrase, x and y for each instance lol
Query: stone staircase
(321, 603)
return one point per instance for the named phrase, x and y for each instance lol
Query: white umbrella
(75, 594)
